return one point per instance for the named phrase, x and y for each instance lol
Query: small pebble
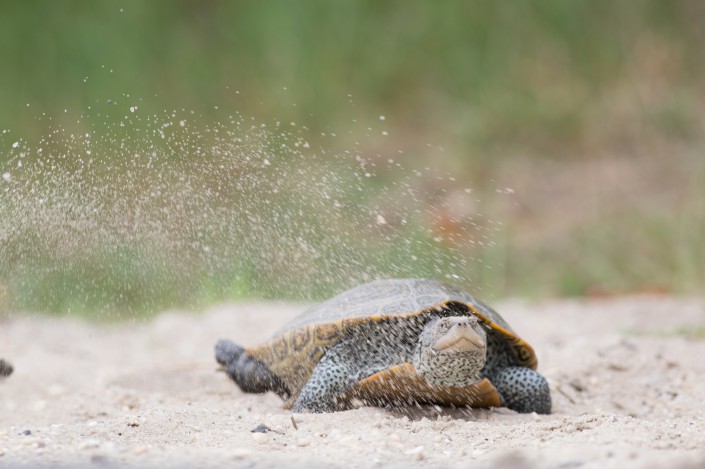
(260, 437)
(302, 442)
(29, 441)
(90, 443)
(417, 453)
(261, 428)
(241, 453)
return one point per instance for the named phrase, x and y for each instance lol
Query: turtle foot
(227, 352)
(523, 390)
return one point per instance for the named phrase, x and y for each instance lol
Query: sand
(627, 377)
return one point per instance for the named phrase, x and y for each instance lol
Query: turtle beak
(461, 337)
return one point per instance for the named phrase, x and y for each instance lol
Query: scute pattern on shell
(395, 297)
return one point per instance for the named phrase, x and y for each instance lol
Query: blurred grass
(591, 112)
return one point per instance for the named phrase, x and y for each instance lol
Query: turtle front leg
(332, 377)
(522, 389)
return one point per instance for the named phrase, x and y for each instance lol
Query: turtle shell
(295, 350)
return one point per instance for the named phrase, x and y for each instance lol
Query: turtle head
(451, 351)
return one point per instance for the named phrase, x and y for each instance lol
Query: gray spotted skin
(449, 367)
(373, 348)
(499, 354)
(333, 375)
(454, 376)
(522, 389)
(377, 346)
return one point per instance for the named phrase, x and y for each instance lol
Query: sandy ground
(627, 376)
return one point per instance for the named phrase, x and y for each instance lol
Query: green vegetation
(527, 148)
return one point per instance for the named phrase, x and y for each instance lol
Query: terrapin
(393, 342)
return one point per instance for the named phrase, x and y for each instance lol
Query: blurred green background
(515, 148)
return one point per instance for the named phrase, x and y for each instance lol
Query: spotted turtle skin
(359, 346)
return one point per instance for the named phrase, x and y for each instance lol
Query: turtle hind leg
(522, 389)
(249, 374)
(334, 375)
